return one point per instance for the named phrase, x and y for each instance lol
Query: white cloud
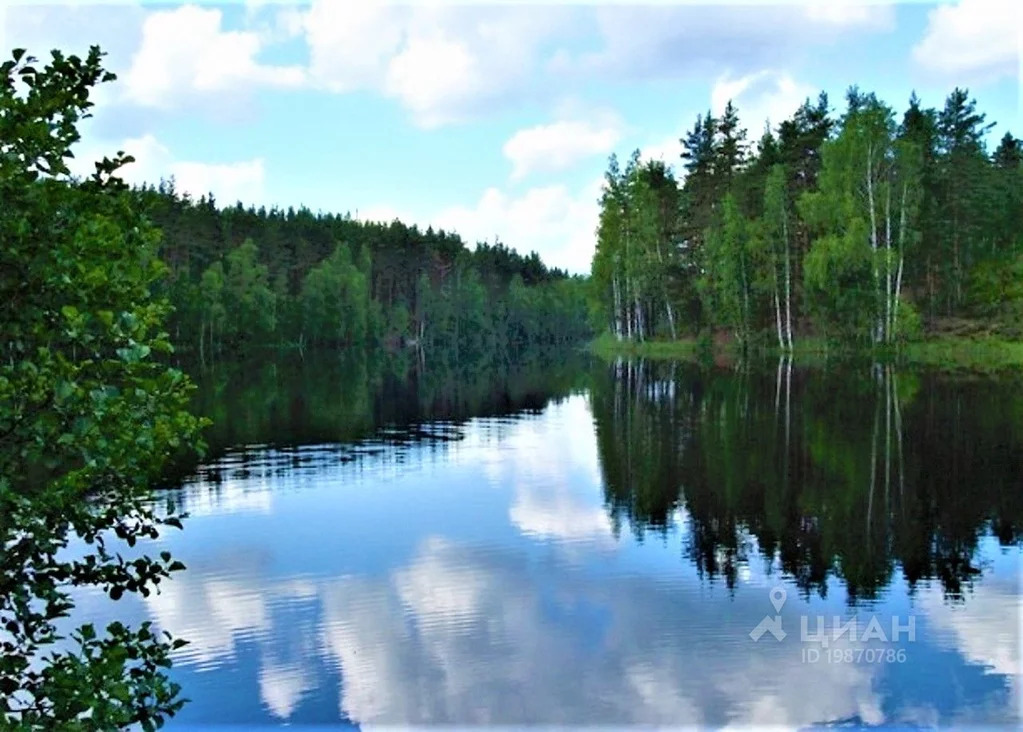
(658, 41)
(185, 54)
(228, 182)
(40, 27)
(350, 43)
(274, 22)
(555, 221)
(552, 220)
(556, 147)
(668, 151)
(433, 77)
(761, 97)
(443, 63)
(852, 13)
(978, 39)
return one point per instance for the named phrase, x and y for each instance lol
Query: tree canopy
(88, 415)
(858, 228)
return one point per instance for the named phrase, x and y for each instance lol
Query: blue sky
(492, 119)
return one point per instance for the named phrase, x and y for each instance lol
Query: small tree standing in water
(87, 417)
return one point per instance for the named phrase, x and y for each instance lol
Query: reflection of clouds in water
(230, 496)
(557, 488)
(367, 650)
(211, 614)
(560, 515)
(472, 635)
(467, 634)
(499, 653)
(282, 686)
(986, 630)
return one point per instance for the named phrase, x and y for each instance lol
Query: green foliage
(248, 295)
(635, 267)
(285, 283)
(335, 301)
(88, 416)
(995, 291)
(908, 325)
(727, 283)
(856, 231)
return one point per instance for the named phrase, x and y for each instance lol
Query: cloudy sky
(491, 118)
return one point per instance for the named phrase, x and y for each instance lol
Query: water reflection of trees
(332, 398)
(858, 474)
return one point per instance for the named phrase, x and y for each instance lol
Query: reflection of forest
(338, 397)
(844, 473)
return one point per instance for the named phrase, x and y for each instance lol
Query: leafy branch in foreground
(87, 417)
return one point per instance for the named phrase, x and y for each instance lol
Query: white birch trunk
(873, 234)
(902, 258)
(788, 279)
(777, 317)
(614, 307)
(888, 263)
(777, 389)
(628, 309)
(664, 291)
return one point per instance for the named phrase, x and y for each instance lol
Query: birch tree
(776, 231)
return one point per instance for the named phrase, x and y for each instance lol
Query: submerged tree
(87, 416)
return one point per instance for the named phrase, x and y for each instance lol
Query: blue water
(481, 571)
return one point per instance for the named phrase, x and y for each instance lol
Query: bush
(908, 324)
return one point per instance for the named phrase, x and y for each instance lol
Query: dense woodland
(867, 227)
(241, 277)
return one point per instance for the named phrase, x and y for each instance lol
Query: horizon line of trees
(858, 228)
(241, 277)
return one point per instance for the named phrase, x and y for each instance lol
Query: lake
(564, 541)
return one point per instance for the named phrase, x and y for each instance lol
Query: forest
(241, 278)
(867, 229)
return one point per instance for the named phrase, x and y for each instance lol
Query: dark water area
(565, 541)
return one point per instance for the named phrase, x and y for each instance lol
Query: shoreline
(984, 354)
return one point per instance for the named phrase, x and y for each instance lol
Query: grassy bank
(976, 354)
(971, 354)
(607, 347)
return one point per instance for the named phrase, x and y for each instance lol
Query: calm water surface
(582, 543)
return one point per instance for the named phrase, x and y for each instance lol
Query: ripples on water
(603, 559)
